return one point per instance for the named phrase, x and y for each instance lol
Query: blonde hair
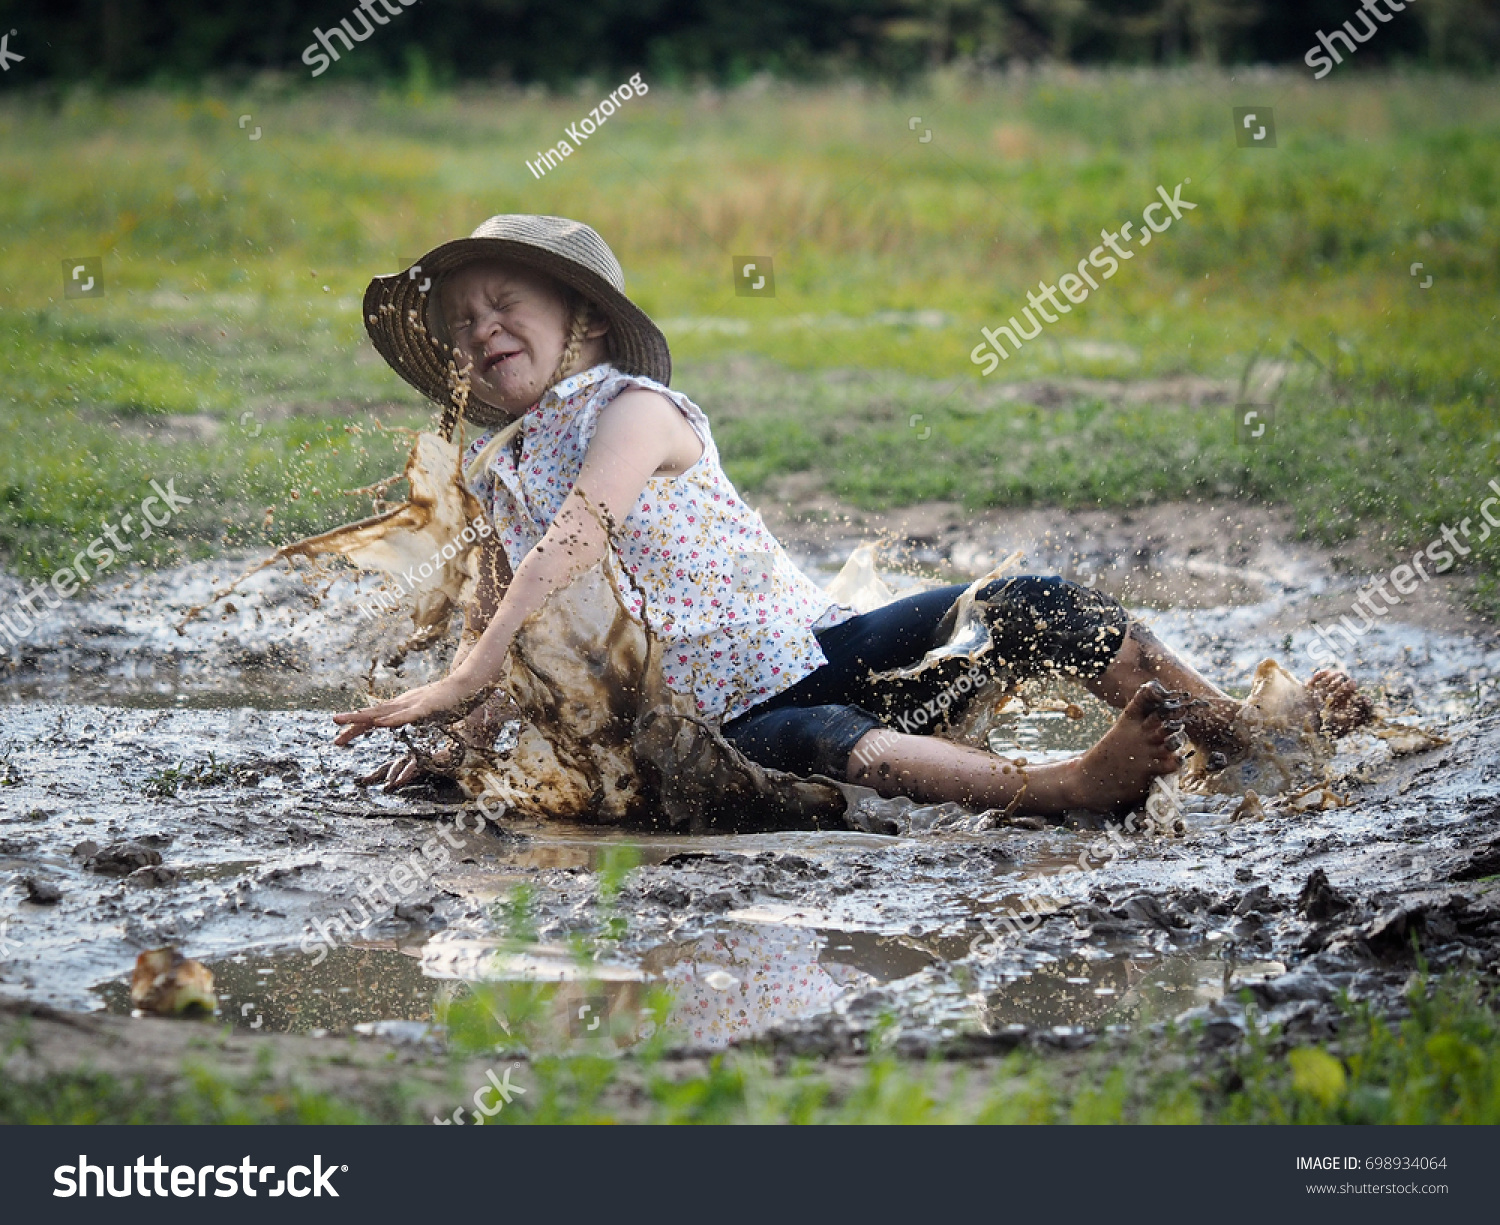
(582, 315)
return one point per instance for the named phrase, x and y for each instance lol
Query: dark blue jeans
(1037, 625)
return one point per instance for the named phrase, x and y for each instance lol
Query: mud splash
(426, 543)
(1283, 724)
(602, 739)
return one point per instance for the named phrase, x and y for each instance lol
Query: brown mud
(201, 765)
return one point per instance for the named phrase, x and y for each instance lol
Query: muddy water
(212, 749)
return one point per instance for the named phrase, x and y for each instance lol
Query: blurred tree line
(673, 41)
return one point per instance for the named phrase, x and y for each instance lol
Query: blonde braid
(580, 319)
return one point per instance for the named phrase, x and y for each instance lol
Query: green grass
(233, 269)
(1440, 1064)
(164, 784)
(199, 1095)
(1342, 458)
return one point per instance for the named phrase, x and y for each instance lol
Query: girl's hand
(445, 699)
(477, 731)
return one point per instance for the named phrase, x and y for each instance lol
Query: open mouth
(498, 359)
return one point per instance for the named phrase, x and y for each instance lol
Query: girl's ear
(597, 323)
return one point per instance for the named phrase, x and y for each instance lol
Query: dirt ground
(182, 789)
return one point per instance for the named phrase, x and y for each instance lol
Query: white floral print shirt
(734, 610)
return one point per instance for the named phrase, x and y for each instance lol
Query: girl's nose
(486, 328)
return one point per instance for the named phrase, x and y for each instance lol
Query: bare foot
(1142, 744)
(1341, 707)
(1212, 725)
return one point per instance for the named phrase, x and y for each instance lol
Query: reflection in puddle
(556, 845)
(734, 983)
(1119, 989)
(292, 992)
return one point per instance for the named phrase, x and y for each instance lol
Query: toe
(1146, 700)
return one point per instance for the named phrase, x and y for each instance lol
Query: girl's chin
(508, 396)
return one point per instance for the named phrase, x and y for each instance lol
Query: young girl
(578, 375)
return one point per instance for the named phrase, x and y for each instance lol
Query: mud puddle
(285, 992)
(739, 981)
(182, 789)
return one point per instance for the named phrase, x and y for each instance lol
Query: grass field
(227, 351)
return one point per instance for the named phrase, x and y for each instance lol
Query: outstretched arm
(637, 434)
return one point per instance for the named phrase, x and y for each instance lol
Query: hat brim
(396, 314)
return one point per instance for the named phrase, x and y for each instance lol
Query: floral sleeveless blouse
(733, 609)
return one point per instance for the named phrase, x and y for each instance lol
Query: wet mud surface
(158, 788)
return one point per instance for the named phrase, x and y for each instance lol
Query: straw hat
(401, 315)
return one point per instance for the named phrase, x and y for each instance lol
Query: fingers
(353, 733)
(363, 722)
(358, 723)
(1330, 680)
(394, 774)
(369, 714)
(403, 772)
(378, 775)
(395, 713)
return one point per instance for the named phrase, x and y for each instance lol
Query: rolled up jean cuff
(802, 739)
